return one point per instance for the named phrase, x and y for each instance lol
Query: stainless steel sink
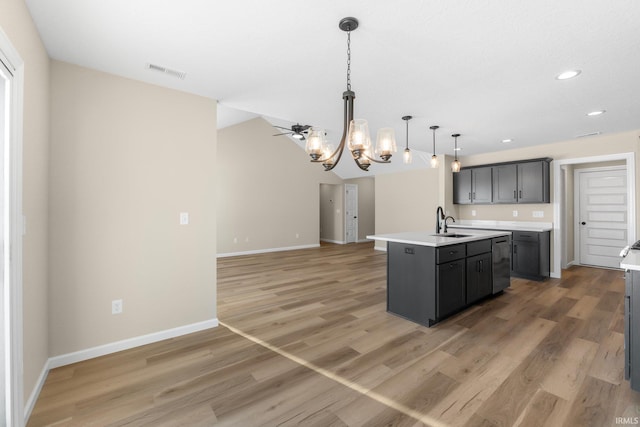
(451, 235)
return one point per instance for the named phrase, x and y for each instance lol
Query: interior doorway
(12, 225)
(563, 240)
(601, 228)
(5, 345)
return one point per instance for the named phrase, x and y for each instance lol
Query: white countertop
(631, 261)
(429, 238)
(503, 225)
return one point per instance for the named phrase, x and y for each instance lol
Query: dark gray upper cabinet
(481, 185)
(472, 186)
(505, 184)
(514, 182)
(462, 187)
(533, 182)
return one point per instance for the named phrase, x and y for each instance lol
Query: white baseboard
(365, 240)
(264, 251)
(31, 402)
(337, 242)
(90, 353)
(378, 248)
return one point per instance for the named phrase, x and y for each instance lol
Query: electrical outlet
(116, 306)
(515, 214)
(473, 212)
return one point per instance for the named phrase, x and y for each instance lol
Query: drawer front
(526, 236)
(450, 253)
(479, 247)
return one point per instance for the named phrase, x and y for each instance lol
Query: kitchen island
(432, 276)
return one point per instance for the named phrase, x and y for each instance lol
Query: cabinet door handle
(515, 196)
(515, 249)
(474, 194)
(469, 195)
(520, 195)
(452, 266)
(452, 252)
(481, 266)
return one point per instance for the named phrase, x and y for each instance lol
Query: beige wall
(268, 192)
(366, 206)
(407, 201)
(126, 159)
(16, 23)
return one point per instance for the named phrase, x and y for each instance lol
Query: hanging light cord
(434, 142)
(407, 134)
(348, 60)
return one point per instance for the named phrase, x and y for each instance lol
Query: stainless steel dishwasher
(501, 263)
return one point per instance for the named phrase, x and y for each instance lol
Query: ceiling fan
(297, 131)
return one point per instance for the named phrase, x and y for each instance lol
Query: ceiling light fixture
(407, 157)
(356, 132)
(568, 74)
(506, 141)
(596, 113)
(455, 165)
(434, 159)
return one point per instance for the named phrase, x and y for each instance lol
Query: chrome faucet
(445, 222)
(439, 217)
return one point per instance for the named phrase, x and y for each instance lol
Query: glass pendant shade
(316, 143)
(407, 157)
(326, 155)
(435, 162)
(358, 137)
(386, 143)
(455, 166)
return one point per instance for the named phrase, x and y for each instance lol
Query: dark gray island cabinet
(430, 278)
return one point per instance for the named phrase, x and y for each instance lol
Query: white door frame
(558, 199)
(14, 231)
(576, 206)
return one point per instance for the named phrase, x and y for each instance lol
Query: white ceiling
(483, 68)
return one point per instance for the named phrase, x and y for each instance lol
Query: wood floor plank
(305, 339)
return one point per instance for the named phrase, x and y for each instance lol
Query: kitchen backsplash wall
(542, 212)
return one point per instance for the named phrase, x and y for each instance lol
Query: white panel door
(603, 216)
(351, 213)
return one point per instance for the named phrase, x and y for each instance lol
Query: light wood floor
(305, 340)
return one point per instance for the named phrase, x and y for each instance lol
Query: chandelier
(355, 133)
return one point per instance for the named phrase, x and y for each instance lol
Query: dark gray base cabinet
(632, 328)
(530, 255)
(426, 284)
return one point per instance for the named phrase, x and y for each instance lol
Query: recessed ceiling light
(506, 141)
(596, 113)
(568, 74)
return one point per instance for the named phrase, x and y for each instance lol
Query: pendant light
(455, 165)
(355, 134)
(434, 159)
(407, 157)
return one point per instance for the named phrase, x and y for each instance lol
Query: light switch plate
(184, 218)
(515, 214)
(538, 214)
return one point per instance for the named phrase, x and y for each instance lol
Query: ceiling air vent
(174, 73)
(587, 134)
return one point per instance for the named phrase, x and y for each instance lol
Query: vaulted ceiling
(483, 68)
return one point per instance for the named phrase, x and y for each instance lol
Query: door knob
(583, 223)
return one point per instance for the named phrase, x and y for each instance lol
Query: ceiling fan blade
(280, 127)
(286, 133)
